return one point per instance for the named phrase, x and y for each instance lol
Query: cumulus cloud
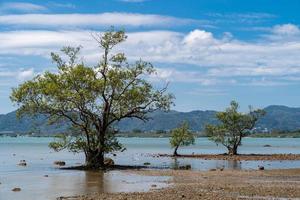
(286, 29)
(223, 60)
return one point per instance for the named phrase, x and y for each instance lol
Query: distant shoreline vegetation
(167, 134)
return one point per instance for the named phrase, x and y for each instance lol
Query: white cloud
(219, 60)
(198, 36)
(286, 29)
(25, 74)
(18, 75)
(284, 32)
(184, 76)
(102, 19)
(21, 7)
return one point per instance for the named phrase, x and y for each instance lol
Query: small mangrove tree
(233, 126)
(181, 136)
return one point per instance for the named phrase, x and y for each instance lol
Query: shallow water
(68, 183)
(31, 179)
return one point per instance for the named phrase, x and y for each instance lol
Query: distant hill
(166, 121)
(280, 118)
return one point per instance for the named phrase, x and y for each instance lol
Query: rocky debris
(16, 189)
(59, 163)
(261, 167)
(185, 167)
(109, 162)
(22, 163)
(153, 185)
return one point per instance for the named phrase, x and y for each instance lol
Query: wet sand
(239, 157)
(214, 185)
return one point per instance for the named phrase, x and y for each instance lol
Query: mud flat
(246, 157)
(227, 184)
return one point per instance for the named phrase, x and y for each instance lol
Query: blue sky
(210, 51)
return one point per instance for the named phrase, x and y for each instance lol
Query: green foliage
(234, 126)
(92, 99)
(181, 136)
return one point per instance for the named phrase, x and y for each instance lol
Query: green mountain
(277, 118)
(281, 118)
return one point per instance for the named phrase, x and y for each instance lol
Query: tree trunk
(175, 151)
(232, 150)
(95, 160)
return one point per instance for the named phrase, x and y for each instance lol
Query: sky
(210, 52)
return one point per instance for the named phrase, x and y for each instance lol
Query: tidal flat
(41, 179)
(215, 185)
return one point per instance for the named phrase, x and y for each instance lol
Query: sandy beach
(227, 184)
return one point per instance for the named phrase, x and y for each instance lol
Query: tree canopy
(181, 136)
(233, 126)
(92, 98)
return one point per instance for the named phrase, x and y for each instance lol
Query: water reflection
(68, 183)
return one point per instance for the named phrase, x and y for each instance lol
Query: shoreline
(280, 136)
(239, 157)
(213, 185)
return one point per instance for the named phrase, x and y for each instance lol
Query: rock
(14, 154)
(114, 154)
(185, 167)
(267, 145)
(46, 175)
(59, 163)
(147, 163)
(213, 170)
(16, 190)
(22, 163)
(261, 167)
(153, 185)
(182, 196)
(108, 162)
